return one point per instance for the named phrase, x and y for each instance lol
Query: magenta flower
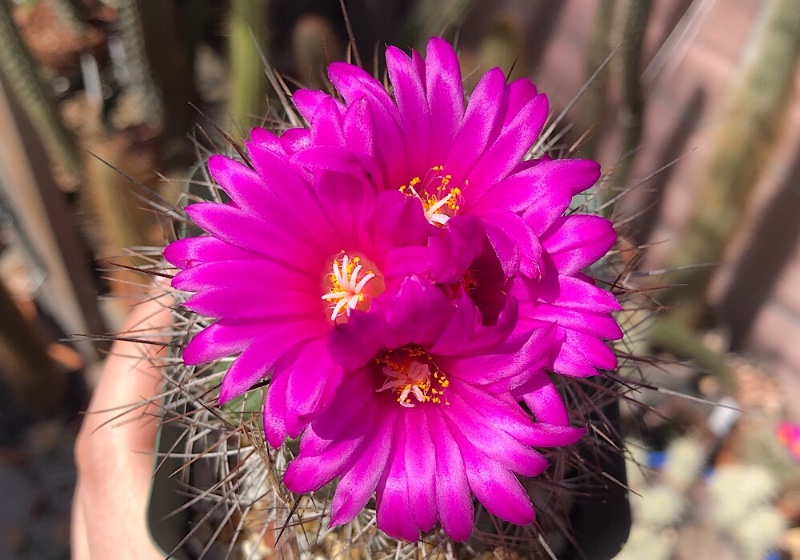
(282, 265)
(425, 417)
(463, 163)
(466, 167)
(404, 279)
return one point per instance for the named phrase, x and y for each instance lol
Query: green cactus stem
(429, 19)
(21, 75)
(315, 44)
(170, 32)
(35, 382)
(748, 129)
(633, 92)
(248, 32)
(142, 87)
(595, 99)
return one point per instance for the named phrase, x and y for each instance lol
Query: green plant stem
(142, 86)
(595, 100)
(633, 92)
(747, 131)
(429, 19)
(21, 74)
(34, 379)
(248, 31)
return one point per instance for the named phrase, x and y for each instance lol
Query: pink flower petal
(517, 248)
(274, 412)
(315, 106)
(358, 483)
(542, 190)
(254, 363)
(481, 125)
(394, 512)
(445, 97)
(313, 379)
(513, 142)
(420, 466)
(471, 428)
(453, 496)
(253, 233)
(497, 489)
(545, 403)
(575, 242)
(412, 103)
(219, 340)
(192, 251)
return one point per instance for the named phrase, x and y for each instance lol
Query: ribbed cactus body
(745, 135)
(21, 75)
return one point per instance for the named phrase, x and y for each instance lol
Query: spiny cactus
(686, 459)
(503, 45)
(595, 98)
(745, 136)
(759, 532)
(430, 19)
(35, 382)
(736, 490)
(22, 77)
(315, 44)
(140, 84)
(644, 543)
(248, 36)
(660, 506)
(632, 115)
(72, 14)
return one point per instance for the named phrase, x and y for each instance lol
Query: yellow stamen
(411, 372)
(439, 200)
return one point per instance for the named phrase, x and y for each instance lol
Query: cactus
(72, 14)
(248, 35)
(744, 138)
(20, 73)
(429, 19)
(35, 382)
(660, 506)
(315, 44)
(502, 45)
(593, 105)
(170, 32)
(761, 531)
(643, 543)
(142, 88)
(736, 490)
(634, 102)
(686, 459)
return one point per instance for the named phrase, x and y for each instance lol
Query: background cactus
(149, 30)
(248, 35)
(745, 137)
(21, 74)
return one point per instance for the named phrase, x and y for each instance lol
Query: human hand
(115, 446)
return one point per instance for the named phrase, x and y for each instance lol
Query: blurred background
(691, 106)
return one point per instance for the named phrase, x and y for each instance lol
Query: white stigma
(350, 287)
(413, 381)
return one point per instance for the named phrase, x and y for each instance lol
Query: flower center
(413, 375)
(349, 286)
(439, 200)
